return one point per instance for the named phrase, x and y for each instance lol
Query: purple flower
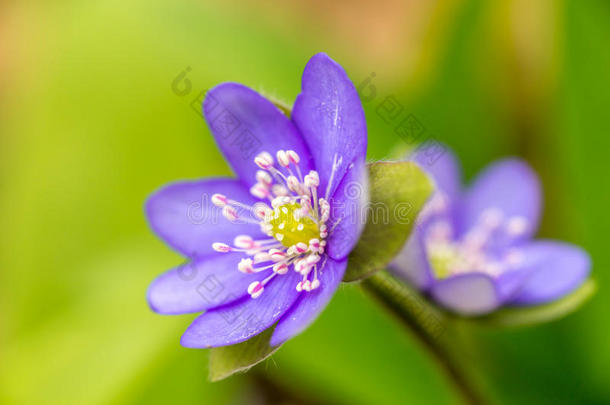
(270, 246)
(473, 250)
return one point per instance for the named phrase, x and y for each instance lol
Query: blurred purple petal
(329, 114)
(443, 167)
(509, 283)
(202, 284)
(248, 317)
(183, 215)
(347, 209)
(467, 294)
(244, 123)
(509, 186)
(311, 304)
(556, 269)
(412, 263)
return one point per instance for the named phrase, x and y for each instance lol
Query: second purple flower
(473, 250)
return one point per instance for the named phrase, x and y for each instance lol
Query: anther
(255, 289)
(314, 245)
(312, 179)
(219, 200)
(279, 201)
(262, 211)
(276, 255)
(243, 242)
(230, 213)
(259, 190)
(264, 160)
(312, 259)
(279, 190)
(293, 184)
(221, 247)
(293, 157)
(261, 257)
(245, 266)
(282, 158)
(263, 177)
(280, 268)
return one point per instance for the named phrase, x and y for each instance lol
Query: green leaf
(398, 190)
(512, 317)
(228, 360)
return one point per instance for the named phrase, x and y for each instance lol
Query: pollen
(287, 220)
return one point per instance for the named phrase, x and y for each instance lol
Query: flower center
(289, 227)
(449, 254)
(295, 222)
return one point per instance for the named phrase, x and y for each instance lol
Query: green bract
(398, 191)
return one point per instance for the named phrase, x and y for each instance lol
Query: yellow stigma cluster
(289, 228)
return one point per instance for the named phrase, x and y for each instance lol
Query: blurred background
(91, 122)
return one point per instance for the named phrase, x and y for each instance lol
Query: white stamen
(312, 259)
(260, 190)
(282, 158)
(245, 266)
(263, 177)
(261, 257)
(312, 179)
(280, 268)
(221, 247)
(314, 245)
(293, 184)
(517, 226)
(276, 255)
(230, 213)
(293, 157)
(219, 200)
(243, 242)
(255, 289)
(262, 211)
(264, 160)
(279, 190)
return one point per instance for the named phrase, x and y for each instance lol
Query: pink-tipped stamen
(221, 247)
(255, 289)
(219, 200)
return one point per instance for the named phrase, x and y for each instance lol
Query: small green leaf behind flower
(398, 191)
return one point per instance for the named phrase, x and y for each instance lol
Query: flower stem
(427, 324)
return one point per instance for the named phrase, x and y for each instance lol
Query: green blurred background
(89, 126)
